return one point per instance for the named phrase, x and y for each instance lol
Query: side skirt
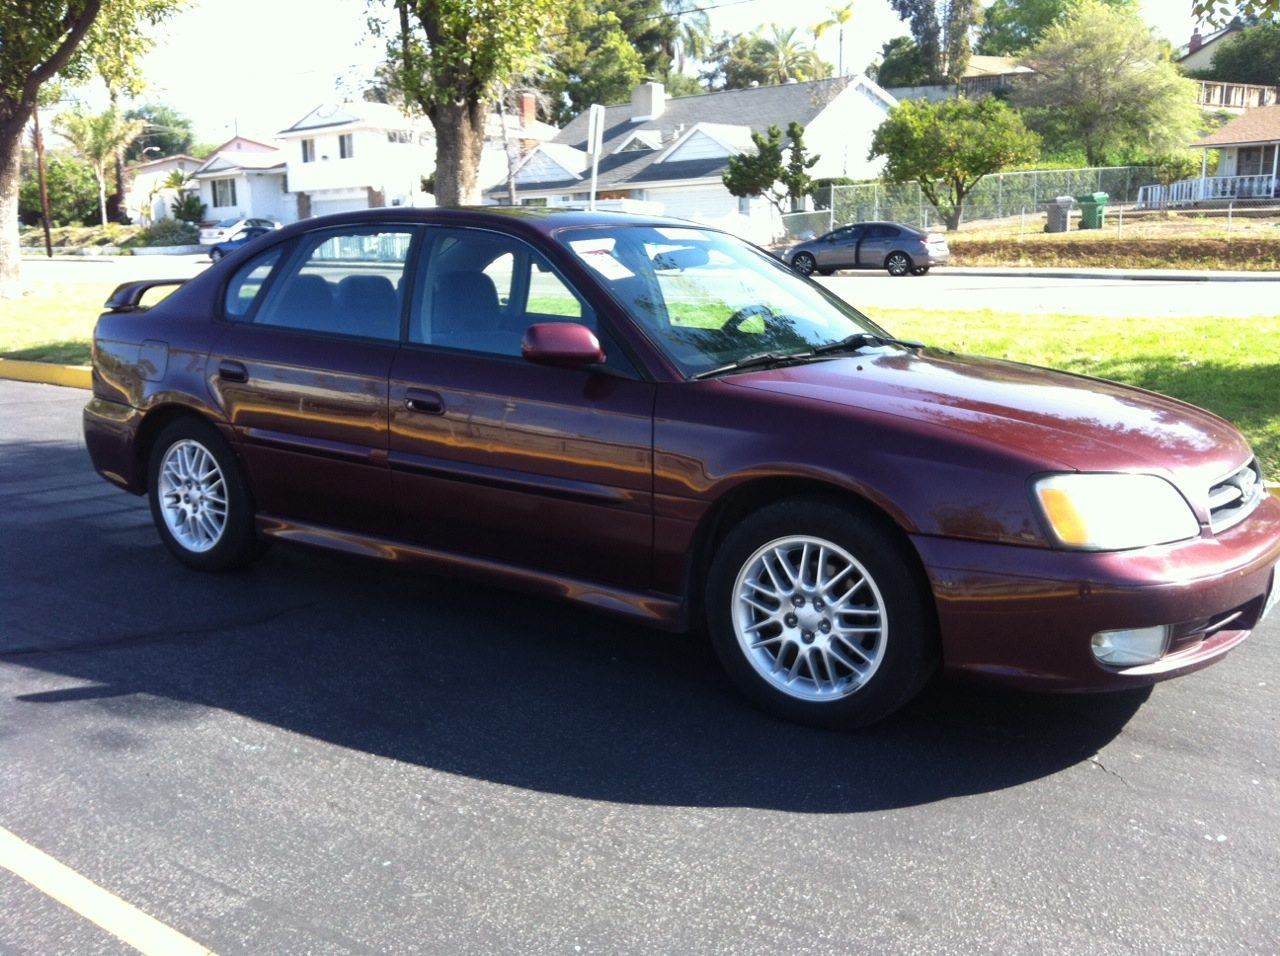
(661, 611)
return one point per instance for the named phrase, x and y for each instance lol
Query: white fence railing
(1209, 189)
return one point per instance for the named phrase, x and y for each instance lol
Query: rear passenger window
(348, 283)
(247, 283)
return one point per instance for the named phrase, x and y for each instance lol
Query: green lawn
(1228, 365)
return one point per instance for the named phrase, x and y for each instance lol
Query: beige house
(1248, 164)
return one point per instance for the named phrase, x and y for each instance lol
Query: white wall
(375, 162)
(841, 135)
(257, 194)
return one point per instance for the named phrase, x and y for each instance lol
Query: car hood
(1063, 420)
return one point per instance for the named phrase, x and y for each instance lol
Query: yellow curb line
(1275, 490)
(72, 376)
(85, 898)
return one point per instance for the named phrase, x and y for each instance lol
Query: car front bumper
(1026, 616)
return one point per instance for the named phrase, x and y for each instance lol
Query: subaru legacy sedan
(899, 250)
(659, 421)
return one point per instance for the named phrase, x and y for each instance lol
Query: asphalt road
(868, 290)
(323, 755)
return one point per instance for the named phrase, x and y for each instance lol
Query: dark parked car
(899, 249)
(660, 421)
(231, 245)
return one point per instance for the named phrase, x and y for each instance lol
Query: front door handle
(423, 400)
(230, 371)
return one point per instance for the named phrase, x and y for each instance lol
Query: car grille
(1233, 499)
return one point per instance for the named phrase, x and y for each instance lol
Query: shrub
(168, 232)
(187, 208)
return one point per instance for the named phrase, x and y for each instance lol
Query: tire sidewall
(910, 654)
(238, 541)
(806, 257)
(888, 263)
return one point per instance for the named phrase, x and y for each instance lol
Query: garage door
(324, 207)
(699, 203)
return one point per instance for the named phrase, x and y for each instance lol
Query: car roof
(536, 218)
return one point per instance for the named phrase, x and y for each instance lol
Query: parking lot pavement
(1032, 295)
(325, 755)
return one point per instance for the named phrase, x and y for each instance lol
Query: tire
(801, 668)
(898, 264)
(185, 449)
(920, 271)
(215, 255)
(826, 272)
(804, 263)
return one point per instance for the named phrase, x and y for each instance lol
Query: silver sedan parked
(899, 249)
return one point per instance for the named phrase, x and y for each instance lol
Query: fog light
(1137, 645)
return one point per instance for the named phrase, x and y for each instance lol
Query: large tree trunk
(10, 263)
(459, 141)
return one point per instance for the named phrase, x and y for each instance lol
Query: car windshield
(226, 223)
(709, 300)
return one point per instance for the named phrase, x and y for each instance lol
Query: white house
(670, 153)
(146, 198)
(367, 155)
(244, 177)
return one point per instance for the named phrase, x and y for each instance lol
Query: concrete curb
(46, 373)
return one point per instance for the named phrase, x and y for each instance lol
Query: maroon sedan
(660, 421)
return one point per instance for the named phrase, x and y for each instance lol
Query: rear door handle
(230, 371)
(423, 400)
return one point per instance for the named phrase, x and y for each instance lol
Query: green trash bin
(1093, 210)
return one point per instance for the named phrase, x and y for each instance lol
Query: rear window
(247, 283)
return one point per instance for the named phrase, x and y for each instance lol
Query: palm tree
(784, 58)
(839, 17)
(98, 140)
(692, 39)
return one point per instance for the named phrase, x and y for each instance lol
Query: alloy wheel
(809, 618)
(804, 264)
(193, 495)
(898, 264)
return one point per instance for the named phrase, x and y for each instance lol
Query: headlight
(1112, 512)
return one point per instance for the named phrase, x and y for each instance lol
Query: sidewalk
(1141, 275)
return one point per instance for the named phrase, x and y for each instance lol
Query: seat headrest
(368, 305)
(464, 301)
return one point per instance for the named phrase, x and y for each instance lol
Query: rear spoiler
(127, 296)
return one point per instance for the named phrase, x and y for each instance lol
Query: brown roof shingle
(1256, 126)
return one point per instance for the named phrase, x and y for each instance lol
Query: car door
(300, 370)
(496, 457)
(876, 242)
(842, 250)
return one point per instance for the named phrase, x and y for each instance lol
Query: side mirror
(563, 344)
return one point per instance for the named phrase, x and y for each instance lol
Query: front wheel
(818, 615)
(804, 263)
(898, 264)
(215, 255)
(199, 500)
(920, 271)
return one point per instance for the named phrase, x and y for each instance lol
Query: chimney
(528, 110)
(648, 101)
(1196, 41)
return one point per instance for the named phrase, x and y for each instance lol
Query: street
(325, 755)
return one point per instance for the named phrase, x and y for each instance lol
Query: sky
(255, 66)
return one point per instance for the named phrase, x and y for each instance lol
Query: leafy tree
(447, 58)
(168, 133)
(1218, 12)
(73, 193)
(1251, 56)
(682, 84)
(948, 147)
(1103, 83)
(592, 61)
(941, 33)
(98, 139)
(691, 40)
(187, 207)
(41, 40)
(1176, 166)
(766, 173)
(839, 16)
(738, 61)
(1012, 26)
(901, 64)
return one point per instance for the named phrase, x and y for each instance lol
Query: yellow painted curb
(1275, 490)
(72, 376)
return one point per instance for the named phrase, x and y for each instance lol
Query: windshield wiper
(758, 360)
(862, 340)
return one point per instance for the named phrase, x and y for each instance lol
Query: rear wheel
(898, 263)
(920, 271)
(804, 263)
(199, 500)
(825, 272)
(818, 616)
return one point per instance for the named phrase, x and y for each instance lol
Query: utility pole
(44, 186)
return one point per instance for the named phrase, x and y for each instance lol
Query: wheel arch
(750, 496)
(156, 420)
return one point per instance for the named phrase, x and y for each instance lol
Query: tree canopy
(1104, 83)
(901, 64)
(941, 32)
(591, 60)
(1218, 12)
(73, 193)
(167, 133)
(948, 147)
(98, 139)
(1012, 26)
(765, 57)
(1251, 56)
(772, 170)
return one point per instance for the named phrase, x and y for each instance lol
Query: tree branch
(77, 28)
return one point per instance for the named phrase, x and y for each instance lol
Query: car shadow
(469, 680)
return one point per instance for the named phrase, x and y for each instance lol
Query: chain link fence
(998, 196)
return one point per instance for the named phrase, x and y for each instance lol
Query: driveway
(323, 755)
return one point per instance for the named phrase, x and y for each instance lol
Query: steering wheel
(747, 312)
